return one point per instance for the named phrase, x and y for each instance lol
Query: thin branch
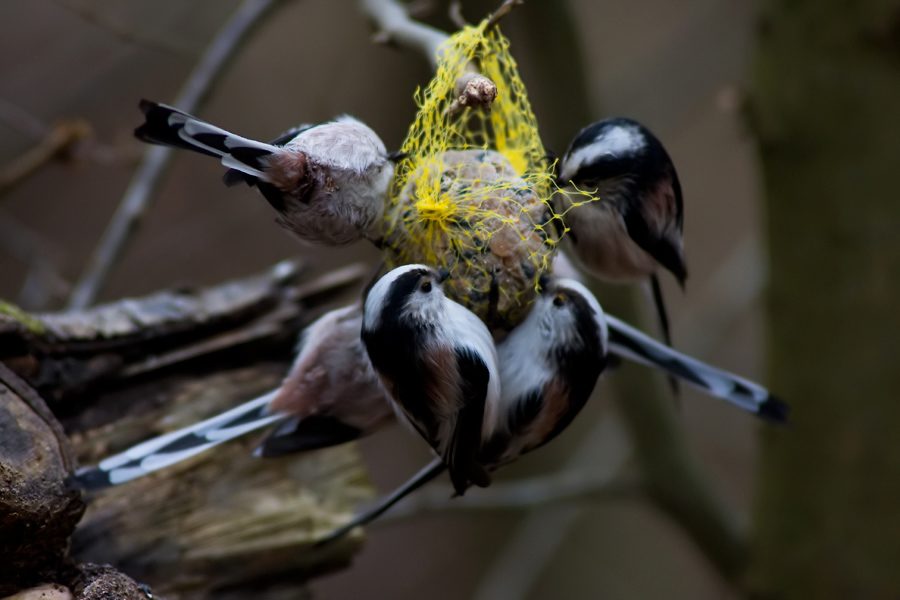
(582, 479)
(456, 16)
(157, 159)
(56, 141)
(501, 12)
(572, 485)
(394, 25)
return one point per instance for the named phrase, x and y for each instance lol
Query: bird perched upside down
(635, 225)
(328, 182)
(330, 396)
(548, 367)
(438, 363)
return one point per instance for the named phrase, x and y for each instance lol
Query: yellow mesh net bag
(472, 197)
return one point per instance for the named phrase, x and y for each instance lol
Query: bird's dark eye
(559, 300)
(426, 286)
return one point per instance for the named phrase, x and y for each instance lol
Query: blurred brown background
(678, 66)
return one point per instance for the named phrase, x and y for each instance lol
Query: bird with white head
(634, 223)
(438, 363)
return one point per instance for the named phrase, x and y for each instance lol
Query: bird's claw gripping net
(473, 194)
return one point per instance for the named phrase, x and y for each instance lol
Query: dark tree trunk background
(827, 520)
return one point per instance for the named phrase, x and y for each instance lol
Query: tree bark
(220, 525)
(827, 78)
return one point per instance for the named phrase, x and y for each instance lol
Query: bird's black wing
(308, 433)
(462, 451)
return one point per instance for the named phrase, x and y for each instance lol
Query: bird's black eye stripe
(426, 286)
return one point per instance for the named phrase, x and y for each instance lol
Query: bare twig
(393, 24)
(472, 90)
(157, 159)
(57, 141)
(501, 12)
(456, 15)
(582, 481)
(673, 480)
(579, 485)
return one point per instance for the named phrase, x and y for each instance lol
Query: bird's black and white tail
(628, 342)
(179, 445)
(169, 126)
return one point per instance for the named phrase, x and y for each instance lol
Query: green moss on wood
(30, 323)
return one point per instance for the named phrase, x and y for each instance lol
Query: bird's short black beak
(443, 275)
(396, 157)
(545, 280)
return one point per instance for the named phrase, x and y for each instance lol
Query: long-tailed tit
(635, 224)
(331, 396)
(549, 365)
(328, 182)
(438, 363)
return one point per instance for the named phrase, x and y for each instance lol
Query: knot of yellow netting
(473, 195)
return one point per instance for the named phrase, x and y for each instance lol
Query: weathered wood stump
(38, 511)
(221, 525)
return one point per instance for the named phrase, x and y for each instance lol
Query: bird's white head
(607, 140)
(345, 143)
(410, 295)
(567, 314)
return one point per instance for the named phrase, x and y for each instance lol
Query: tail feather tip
(774, 410)
(91, 478)
(146, 105)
